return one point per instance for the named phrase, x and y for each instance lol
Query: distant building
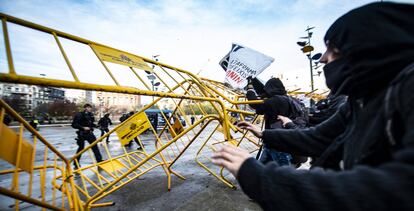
(107, 99)
(31, 94)
(88, 96)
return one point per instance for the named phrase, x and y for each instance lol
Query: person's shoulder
(280, 98)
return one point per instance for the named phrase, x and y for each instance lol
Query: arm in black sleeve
(260, 108)
(76, 121)
(291, 125)
(308, 142)
(387, 187)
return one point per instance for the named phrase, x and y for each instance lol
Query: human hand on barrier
(252, 128)
(231, 158)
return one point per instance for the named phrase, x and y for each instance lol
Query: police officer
(84, 122)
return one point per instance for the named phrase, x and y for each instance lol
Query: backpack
(392, 108)
(123, 117)
(299, 114)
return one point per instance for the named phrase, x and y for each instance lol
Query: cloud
(192, 35)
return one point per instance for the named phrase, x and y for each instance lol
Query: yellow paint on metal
(133, 127)
(8, 149)
(7, 44)
(115, 56)
(213, 99)
(112, 166)
(177, 127)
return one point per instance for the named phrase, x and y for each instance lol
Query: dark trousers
(90, 137)
(136, 141)
(281, 158)
(103, 131)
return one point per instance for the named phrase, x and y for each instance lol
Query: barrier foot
(104, 204)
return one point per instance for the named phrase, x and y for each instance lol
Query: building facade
(107, 99)
(31, 95)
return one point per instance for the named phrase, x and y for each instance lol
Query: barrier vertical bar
(7, 44)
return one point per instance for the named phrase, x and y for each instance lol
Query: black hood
(377, 42)
(274, 86)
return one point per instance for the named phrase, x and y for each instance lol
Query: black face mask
(337, 76)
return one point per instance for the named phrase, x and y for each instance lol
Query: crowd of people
(365, 150)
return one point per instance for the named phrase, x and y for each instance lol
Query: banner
(119, 57)
(242, 63)
(132, 128)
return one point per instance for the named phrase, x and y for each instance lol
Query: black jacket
(374, 175)
(83, 119)
(332, 105)
(276, 103)
(104, 122)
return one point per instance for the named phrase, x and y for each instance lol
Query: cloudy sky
(192, 35)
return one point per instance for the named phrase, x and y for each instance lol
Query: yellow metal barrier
(28, 159)
(214, 108)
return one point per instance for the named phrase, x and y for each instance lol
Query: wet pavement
(200, 190)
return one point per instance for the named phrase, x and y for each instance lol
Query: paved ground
(200, 191)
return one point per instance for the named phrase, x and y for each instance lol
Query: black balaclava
(376, 42)
(274, 86)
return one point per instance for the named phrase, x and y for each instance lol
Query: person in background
(366, 149)
(7, 119)
(103, 124)
(326, 108)
(84, 122)
(129, 145)
(34, 123)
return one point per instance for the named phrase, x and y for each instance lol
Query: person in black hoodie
(275, 103)
(103, 124)
(366, 155)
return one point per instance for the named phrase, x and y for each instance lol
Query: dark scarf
(376, 42)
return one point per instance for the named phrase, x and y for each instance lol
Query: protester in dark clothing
(368, 156)
(326, 108)
(123, 117)
(287, 123)
(84, 122)
(276, 103)
(103, 124)
(154, 121)
(192, 120)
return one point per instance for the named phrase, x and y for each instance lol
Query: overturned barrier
(209, 103)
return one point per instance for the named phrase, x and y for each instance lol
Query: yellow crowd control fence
(204, 111)
(28, 160)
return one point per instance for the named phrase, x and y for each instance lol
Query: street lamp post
(154, 84)
(307, 49)
(155, 57)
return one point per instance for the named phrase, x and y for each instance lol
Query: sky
(188, 34)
